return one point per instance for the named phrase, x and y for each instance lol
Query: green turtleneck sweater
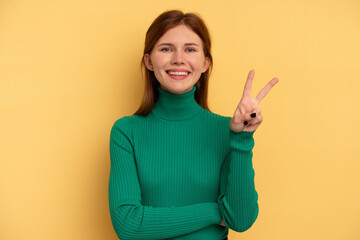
(178, 171)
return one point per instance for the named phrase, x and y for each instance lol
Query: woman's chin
(178, 88)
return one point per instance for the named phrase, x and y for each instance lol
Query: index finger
(266, 89)
(249, 80)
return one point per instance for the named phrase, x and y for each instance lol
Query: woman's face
(177, 60)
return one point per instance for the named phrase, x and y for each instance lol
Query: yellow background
(69, 69)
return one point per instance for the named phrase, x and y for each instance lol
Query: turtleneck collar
(177, 107)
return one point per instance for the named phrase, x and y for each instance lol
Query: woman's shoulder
(123, 126)
(127, 121)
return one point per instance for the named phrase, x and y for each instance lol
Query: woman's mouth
(178, 75)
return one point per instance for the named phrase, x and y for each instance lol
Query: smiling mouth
(173, 73)
(178, 75)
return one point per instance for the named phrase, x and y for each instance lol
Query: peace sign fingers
(266, 89)
(247, 109)
(248, 84)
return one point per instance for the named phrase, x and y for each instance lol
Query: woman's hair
(161, 24)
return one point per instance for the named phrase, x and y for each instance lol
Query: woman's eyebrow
(170, 44)
(189, 44)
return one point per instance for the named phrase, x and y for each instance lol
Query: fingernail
(245, 123)
(253, 115)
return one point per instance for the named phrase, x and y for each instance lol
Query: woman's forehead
(180, 34)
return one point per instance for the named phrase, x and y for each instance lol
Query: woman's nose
(177, 58)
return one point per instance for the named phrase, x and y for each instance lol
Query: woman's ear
(206, 64)
(147, 61)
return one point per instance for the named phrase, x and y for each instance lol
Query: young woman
(179, 171)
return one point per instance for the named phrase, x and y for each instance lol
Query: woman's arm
(238, 199)
(131, 219)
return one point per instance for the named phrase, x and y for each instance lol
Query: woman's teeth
(179, 73)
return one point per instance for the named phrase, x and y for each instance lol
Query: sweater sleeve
(238, 199)
(133, 220)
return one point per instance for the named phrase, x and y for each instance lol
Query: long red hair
(161, 24)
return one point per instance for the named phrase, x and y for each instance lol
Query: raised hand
(247, 116)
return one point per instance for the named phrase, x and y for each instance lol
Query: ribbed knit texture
(170, 168)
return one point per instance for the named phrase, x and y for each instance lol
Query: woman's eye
(165, 49)
(190, 50)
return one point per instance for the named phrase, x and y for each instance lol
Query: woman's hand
(247, 116)
(222, 223)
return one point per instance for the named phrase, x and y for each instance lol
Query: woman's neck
(177, 107)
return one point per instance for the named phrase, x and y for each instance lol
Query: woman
(179, 171)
